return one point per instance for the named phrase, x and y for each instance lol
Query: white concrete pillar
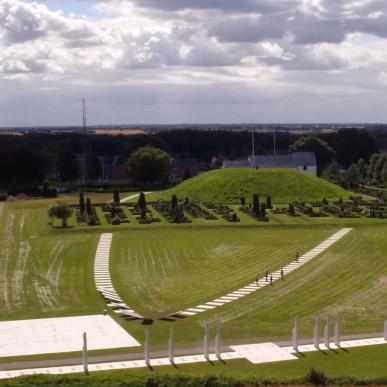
(295, 335)
(147, 346)
(218, 342)
(171, 345)
(338, 330)
(385, 330)
(85, 355)
(207, 341)
(316, 340)
(327, 333)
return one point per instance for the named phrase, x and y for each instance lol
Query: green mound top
(228, 185)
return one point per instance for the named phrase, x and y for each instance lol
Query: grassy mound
(228, 185)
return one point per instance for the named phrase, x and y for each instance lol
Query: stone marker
(147, 346)
(171, 345)
(295, 335)
(218, 344)
(206, 341)
(85, 357)
(338, 330)
(317, 333)
(327, 333)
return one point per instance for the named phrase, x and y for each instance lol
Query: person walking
(297, 257)
(257, 279)
(282, 274)
(267, 275)
(271, 279)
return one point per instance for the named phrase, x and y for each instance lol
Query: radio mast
(84, 116)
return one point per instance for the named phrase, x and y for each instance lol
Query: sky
(192, 61)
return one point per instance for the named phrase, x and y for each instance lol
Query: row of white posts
(327, 332)
(171, 344)
(218, 344)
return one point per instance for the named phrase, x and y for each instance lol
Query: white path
(253, 287)
(255, 353)
(128, 198)
(103, 280)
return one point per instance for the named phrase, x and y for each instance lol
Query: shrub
(316, 377)
(93, 221)
(116, 221)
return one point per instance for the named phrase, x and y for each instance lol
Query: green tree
(324, 153)
(256, 204)
(332, 172)
(116, 197)
(384, 175)
(142, 201)
(362, 168)
(263, 210)
(351, 178)
(93, 165)
(379, 165)
(89, 210)
(243, 201)
(149, 165)
(268, 202)
(82, 207)
(371, 167)
(174, 201)
(61, 211)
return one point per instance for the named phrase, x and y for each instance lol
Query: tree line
(27, 160)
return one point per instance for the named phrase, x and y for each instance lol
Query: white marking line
(255, 353)
(242, 292)
(103, 280)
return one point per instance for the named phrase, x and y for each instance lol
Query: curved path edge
(103, 280)
(253, 287)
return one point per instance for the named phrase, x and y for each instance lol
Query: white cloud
(168, 46)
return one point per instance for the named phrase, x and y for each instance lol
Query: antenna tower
(84, 115)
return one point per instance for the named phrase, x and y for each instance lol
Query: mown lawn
(44, 272)
(349, 277)
(164, 272)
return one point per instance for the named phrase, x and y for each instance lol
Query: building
(182, 169)
(302, 161)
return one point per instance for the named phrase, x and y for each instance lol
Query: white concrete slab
(57, 335)
(263, 353)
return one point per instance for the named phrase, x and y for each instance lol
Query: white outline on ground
(103, 280)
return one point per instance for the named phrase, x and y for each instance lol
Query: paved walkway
(253, 287)
(128, 198)
(104, 283)
(255, 353)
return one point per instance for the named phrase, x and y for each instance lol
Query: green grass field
(44, 272)
(228, 185)
(183, 268)
(160, 269)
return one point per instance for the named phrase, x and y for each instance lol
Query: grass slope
(228, 185)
